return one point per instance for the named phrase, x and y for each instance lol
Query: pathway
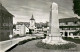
(5, 45)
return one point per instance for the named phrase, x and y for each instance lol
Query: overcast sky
(23, 9)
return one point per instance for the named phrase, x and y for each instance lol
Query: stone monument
(54, 36)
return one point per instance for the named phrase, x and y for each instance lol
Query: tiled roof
(69, 26)
(21, 23)
(25, 23)
(73, 19)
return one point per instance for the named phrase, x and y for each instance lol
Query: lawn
(76, 40)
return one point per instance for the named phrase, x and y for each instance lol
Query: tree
(76, 7)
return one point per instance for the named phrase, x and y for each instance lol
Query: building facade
(21, 30)
(68, 26)
(6, 24)
(37, 27)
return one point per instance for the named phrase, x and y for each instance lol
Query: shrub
(62, 46)
(33, 38)
(22, 42)
(42, 37)
(76, 37)
(29, 39)
(37, 37)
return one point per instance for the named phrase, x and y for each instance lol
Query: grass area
(76, 40)
(40, 44)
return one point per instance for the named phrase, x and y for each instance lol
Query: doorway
(66, 34)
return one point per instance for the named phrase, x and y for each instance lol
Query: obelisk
(54, 36)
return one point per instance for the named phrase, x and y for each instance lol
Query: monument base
(57, 40)
(56, 46)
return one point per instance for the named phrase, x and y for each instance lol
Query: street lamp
(10, 36)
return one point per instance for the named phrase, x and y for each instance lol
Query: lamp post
(10, 36)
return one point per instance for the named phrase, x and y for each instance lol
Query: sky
(23, 9)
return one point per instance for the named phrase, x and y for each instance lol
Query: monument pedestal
(54, 40)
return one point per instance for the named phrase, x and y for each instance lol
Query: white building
(21, 30)
(68, 26)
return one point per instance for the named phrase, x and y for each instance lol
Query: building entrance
(66, 34)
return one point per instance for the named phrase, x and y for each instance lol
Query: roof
(73, 19)
(21, 23)
(25, 23)
(69, 26)
(32, 18)
(4, 10)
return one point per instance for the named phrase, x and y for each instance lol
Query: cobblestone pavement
(31, 47)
